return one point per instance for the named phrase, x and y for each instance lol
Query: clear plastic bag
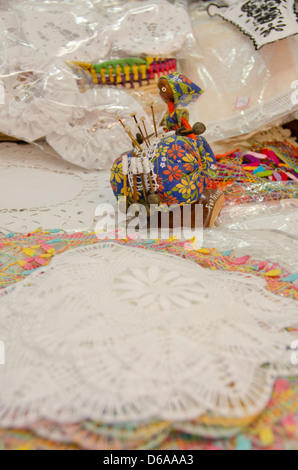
(262, 215)
(245, 89)
(50, 89)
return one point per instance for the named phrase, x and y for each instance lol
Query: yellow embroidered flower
(161, 151)
(190, 162)
(129, 192)
(116, 172)
(186, 187)
(169, 140)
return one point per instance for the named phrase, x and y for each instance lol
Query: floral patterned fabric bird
(182, 165)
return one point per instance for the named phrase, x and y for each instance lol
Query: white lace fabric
(70, 31)
(116, 334)
(42, 99)
(93, 138)
(39, 190)
(152, 28)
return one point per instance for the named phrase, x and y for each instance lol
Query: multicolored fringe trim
(276, 428)
(263, 173)
(21, 254)
(129, 72)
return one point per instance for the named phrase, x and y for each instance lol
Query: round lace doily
(38, 190)
(115, 334)
(71, 32)
(151, 28)
(42, 99)
(92, 137)
(40, 93)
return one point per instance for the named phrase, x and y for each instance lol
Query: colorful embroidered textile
(22, 254)
(181, 167)
(185, 92)
(262, 173)
(275, 428)
(131, 72)
(273, 161)
(92, 317)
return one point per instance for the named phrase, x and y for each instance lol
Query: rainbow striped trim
(130, 72)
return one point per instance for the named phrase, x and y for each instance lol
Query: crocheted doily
(151, 28)
(115, 334)
(40, 93)
(71, 32)
(42, 99)
(38, 190)
(92, 137)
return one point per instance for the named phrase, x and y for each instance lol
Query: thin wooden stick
(134, 141)
(135, 189)
(147, 136)
(125, 186)
(125, 173)
(133, 115)
(148, 173)
(151, 183)
(119, 119)
(153, 117)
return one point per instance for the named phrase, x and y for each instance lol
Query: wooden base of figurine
(200, 214)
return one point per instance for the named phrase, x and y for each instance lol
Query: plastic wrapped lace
(53, 83)
(245, 89)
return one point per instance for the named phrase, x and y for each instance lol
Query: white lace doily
(72, 32)
(40, 93)
(42, 99)
(92, 137)
(152, 28)
(115, 334)
(38, 190)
